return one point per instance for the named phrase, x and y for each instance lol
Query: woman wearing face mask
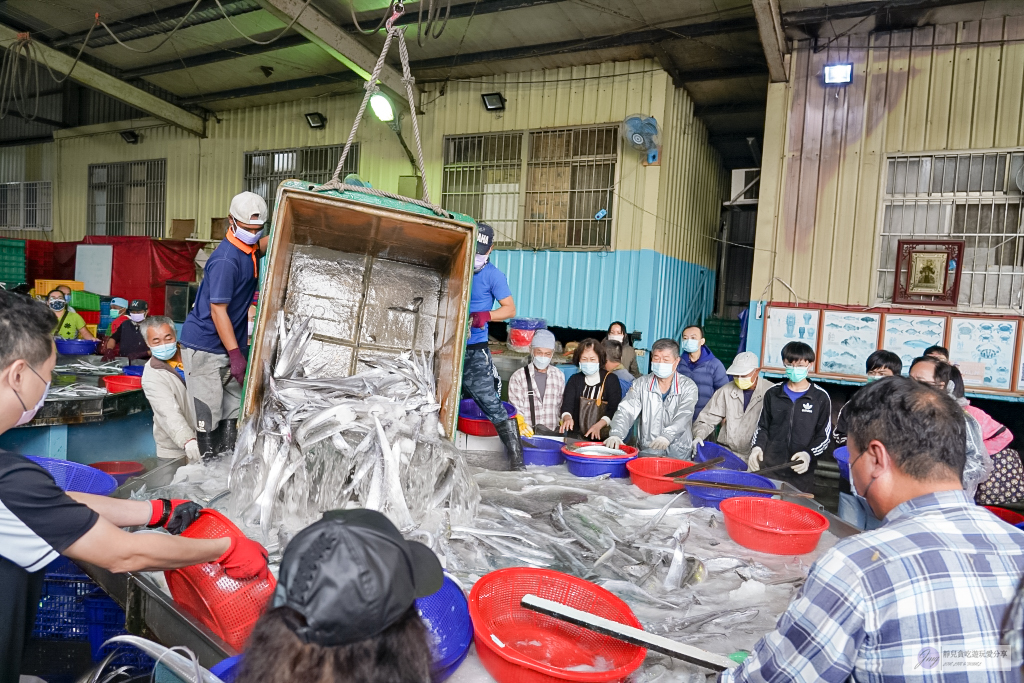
(738, 404)
(617, 332)
(592, 395)
(128, 340)
(536, 390)
(69, 324)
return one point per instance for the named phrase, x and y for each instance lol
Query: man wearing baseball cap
(214, 337)
(127, 340)
(738, 404)
(479, 379)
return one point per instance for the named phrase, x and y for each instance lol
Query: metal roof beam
(98, 80)
(773, 40)
(822, 14)
(281, 86)
(215, 56)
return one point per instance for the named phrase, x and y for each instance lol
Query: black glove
(174, 515)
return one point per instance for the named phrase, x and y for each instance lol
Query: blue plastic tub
(133, 370)
(471, 411)
(595, 467)
(76, 347)
(71, 476)
(227, 669)
(842, 456)
(705, 497)
(446, 616)
(544, 452)
(528, 323)
(712, 450)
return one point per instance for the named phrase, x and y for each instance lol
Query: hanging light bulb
(382, 107)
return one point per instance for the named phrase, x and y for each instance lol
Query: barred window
(973, 197)
(127, 198)
(26, 205)
(264, 171)
(557, 193)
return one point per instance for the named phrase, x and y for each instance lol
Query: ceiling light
(838, 74)
(382, 107)
(493, 101)
(316, 120)
(130, 136)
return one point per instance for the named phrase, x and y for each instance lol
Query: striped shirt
(901, 603)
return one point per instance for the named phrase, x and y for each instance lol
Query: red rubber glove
(237, 365)
(479, 319)
(173, 515)
(244, 559)
(109, 354)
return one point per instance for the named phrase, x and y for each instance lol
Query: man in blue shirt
(214, 338)
(478, 374)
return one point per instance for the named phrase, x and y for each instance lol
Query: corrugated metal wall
(946, 87)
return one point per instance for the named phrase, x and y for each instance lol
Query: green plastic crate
(85, 301)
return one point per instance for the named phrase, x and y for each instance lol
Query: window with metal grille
(547, 189)
(128, 198)
(26, 206)
(974, 197)
(264, 171)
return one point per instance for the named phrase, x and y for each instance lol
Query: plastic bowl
(133, 370)
(628, 450)
(1008, 516)
(842, 456)
(544, 452)
(76, 347)
(446, 616)
(517, 645)
(121, 470)
(469, 408)
(595, 467)
(72, 476)
(773, 526)
(708, 497)
(117, 383)
(646, 474)
(227, 669)
(709, 451)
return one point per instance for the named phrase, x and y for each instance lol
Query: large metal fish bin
(379, 277)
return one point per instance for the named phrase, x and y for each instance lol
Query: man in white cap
(214, 338)
(536, 390)
(738, 403)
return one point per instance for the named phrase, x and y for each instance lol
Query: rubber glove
(192, 450)
(696, 443)
(479, 319)
(754, 461)
(803, 462)
(244, 559)
(109, 354)
(612, 442)
(173, 515)
(237, 365)
(659, 444)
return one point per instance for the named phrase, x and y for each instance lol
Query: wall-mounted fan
(643, 134)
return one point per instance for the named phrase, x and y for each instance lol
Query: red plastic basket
(1008, 516)
(117, 383)
(517, 645)
(468, 425)
(646, 474)
(772, 526)
(226, 606)
(629, 451)
(121, 470)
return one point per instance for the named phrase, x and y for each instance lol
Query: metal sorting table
(86, 409)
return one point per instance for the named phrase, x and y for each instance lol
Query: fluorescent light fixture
(838, 74)
(130, 136)
(316, 120)
(493, 101)
(382, 107)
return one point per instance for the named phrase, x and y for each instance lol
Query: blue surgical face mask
(541, 362)
(479, 261)
(797, 374)
(853, 488)
(874, 378)
(164, 351)
(690, 345)
(590, 369)
(663, 370)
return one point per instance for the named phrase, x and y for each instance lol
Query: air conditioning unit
(746, 183)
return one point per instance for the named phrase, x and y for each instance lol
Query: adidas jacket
(785, 429)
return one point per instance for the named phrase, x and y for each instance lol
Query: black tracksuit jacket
(785, 429)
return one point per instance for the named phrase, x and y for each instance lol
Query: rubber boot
(205, 441)
(228, 436)
(509, 433)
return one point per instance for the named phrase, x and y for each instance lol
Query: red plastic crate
(38, 260)
(90, 317)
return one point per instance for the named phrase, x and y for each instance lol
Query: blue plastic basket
(528, 323)
(75, 347)
(545, 452)
(712, 450)
(842, 456)
(133, 370)
(706, 497)
(446, 616)
(442, 674)
(60, 614)
(595, 467)
(227, 669)
(470, 410)
(71, 476)
(106, 620)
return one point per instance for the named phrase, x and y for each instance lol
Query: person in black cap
(128, 340)
(344, 606)
(479, 378)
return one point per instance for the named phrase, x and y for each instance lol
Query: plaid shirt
(938, 574)
(548, 407)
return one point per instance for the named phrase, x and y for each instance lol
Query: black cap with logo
(484, 238)
(137, 306)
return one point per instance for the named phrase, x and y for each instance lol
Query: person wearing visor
(70, 324)
(479, 378)
(663, 402)
(163, 381)
(128, 340)
(40, 522)
(344, 608)
(118, 314)
(737, 404)
(215, 337)
(536, 390)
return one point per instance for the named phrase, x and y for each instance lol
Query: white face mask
(29, 413)
(590, 369)
(479, 261)
(541, 362)
(616, 337)
(136, 317)
(249, 238)
(663, 370)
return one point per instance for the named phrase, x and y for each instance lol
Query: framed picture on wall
(909, 335)
(784, 324)
(984, 350)
(847, 339)
(928, 272)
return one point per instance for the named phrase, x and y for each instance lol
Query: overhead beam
(723, 73)
(216, 56)
(18, 142)
(37, 119)
(822, 14)
(98, 80)
(334, 40)
(773, 40)
(281, 86)
(727, 109)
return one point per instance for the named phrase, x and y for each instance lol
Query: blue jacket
(707, 373)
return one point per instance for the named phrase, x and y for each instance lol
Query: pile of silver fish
(76, 390)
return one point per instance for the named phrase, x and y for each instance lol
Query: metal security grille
(548, 189)
(128, 198)
(973, 197)
(26, 206)
(264, 171)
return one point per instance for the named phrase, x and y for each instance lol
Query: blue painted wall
(650, 292)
